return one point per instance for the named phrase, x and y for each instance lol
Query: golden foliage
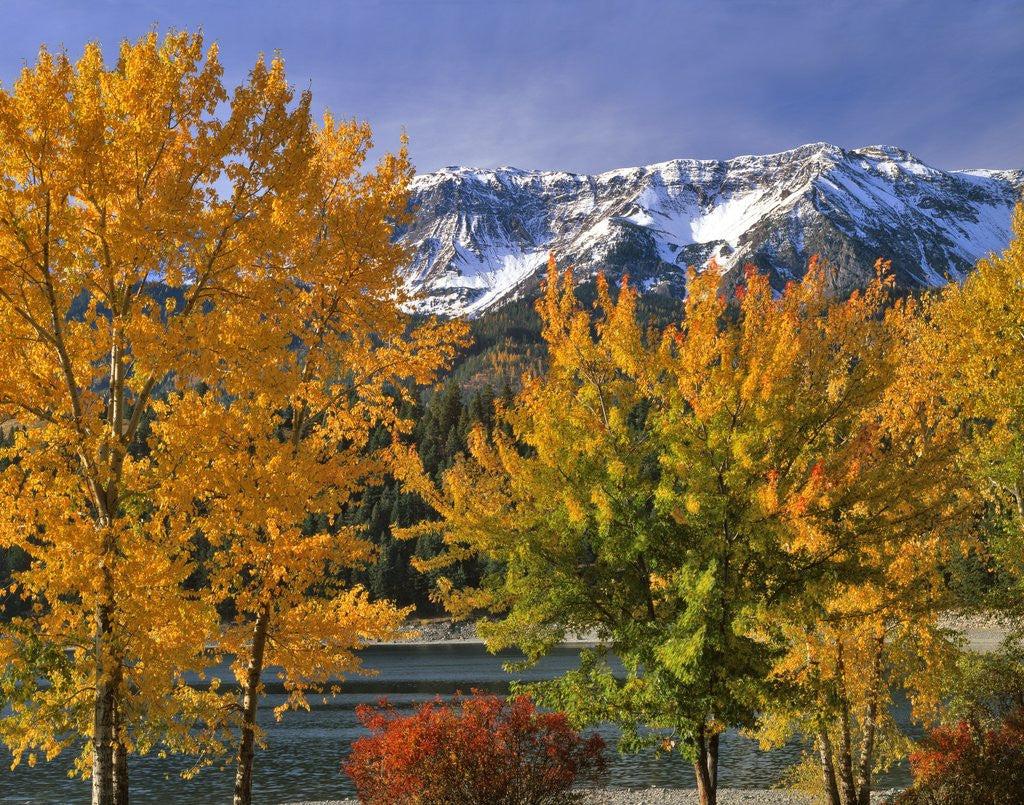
(175, 282)
(726, 501)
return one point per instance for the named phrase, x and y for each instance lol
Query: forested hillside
(442, 425)
(506, 344)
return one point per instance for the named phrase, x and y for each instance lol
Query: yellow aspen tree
(878, 629)
(282, 434)
(145, 216)
(972, 352)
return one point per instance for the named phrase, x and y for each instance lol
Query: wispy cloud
(589, 85)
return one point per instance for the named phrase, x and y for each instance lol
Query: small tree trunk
(251, 689)
(713, 762)
(104, 704)
(706, 789)
(867, 745)
(120, 751)
(120, 784)
(846, 787)
(828, 771)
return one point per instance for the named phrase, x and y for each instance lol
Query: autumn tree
(973, 352)
(878, 631)
(282, 434)
(834, 688)
(817, 448)
(681, 492)
(147, 217)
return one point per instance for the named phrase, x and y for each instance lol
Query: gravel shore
(677, 796)
(981, 633)
(726, 796)
(442, 631)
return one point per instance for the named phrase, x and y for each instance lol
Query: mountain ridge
(482, 236)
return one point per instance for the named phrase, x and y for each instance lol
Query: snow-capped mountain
(483, 236)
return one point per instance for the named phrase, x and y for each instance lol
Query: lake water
(304, 751)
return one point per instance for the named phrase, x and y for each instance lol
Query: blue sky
(590, 86)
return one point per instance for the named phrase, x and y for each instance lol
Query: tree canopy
(186, 273)
(695, 494)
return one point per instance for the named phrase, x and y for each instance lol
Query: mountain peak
(887, 151)
(483, 236)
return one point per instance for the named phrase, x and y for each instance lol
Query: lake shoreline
(981, 633)
(445, 632)
(675, 796)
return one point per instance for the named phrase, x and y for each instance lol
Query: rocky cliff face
(483, 236)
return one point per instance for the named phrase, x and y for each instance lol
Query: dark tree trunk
(867, 745)
(828, 771)
(251, 690)
(120, 751)
(104, 703)
(846, 787)
(707, 788)
(120, 783)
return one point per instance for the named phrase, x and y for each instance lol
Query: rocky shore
(980, 632)
(440, 631)
(678, 796)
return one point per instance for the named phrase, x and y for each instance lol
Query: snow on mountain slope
(483, 236)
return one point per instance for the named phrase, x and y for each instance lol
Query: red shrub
(477, 750)
(968, 765)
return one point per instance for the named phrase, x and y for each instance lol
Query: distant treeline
(442, 425)
(506, 344)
